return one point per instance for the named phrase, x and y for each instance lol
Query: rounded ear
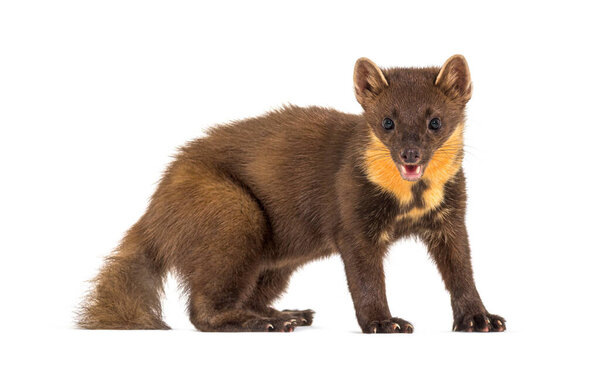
(369, 81)
(455, 79)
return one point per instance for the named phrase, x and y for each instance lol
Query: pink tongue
(410, 169)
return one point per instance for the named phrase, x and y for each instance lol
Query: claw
(397, 327)
(455, 328)
(499, 322)
(288, 327)
(374, 329)
(304, 321)
(270, 327)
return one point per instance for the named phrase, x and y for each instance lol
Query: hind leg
(219, 252)
(269, 286)
(218, 307)
(218, 291)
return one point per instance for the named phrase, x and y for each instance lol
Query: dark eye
(435, 124)
(388, 124)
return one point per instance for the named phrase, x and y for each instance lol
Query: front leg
(366, 280)
(448, 244)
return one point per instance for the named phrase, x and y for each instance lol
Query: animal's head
(416, 115)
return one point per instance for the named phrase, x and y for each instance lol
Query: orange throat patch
(443, 166)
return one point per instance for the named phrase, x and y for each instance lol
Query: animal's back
(288, 160)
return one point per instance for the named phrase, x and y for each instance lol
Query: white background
(96, 96)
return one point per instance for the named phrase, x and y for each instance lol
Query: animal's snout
(410, 155)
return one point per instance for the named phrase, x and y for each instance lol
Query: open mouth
(411, 172)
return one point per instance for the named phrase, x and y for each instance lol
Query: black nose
(411, 155)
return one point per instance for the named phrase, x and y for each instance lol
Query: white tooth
(419, 169)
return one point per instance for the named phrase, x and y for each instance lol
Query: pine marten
(240, 209)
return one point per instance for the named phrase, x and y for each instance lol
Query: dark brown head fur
(411, 98)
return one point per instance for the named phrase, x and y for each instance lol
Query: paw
(270, 325)
(482, 322)
(392, 325)
(302, 317)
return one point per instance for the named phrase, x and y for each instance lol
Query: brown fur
(240, 209)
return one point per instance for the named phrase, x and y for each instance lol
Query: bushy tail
(126, 293)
